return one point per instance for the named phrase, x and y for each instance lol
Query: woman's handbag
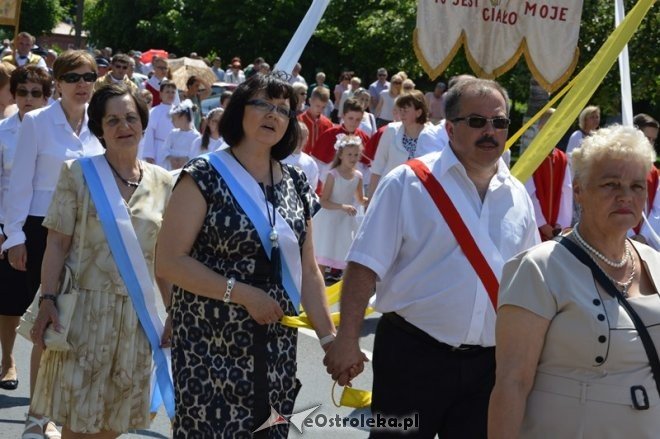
(66, 300)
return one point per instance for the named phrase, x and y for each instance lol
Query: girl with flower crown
(335, 224)
(178, 144)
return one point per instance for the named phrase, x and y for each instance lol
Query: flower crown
(184, 107)
(343, 141)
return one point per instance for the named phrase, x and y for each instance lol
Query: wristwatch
(47, 297)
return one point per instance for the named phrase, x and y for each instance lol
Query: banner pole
(624, 70)
(18, 19)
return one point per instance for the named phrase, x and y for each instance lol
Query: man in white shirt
(434, 348)
(377, 87)
(234, 75)
(23, 52)
(296, 76)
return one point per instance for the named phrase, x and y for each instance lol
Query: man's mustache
(487, 141)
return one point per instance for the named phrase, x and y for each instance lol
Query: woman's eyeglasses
(72, 78)
(23, 92)
(499, 123)
(267, 107)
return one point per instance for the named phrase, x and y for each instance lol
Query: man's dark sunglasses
(499, 123)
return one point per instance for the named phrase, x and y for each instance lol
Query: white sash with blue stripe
(128, 257)
(251, 198)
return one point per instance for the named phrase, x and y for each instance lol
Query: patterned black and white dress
(229, 370)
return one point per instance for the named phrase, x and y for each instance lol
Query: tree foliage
(358, 35)
(37, 17)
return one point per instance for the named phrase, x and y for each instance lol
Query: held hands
(349, 210)
(18, 257)
(344, 360)
(47, 316)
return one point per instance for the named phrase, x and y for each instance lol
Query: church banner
(9, 11)
(495, 33)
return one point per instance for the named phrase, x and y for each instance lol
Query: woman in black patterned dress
(231, 359)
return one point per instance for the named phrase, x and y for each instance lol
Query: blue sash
(132, 267)
(246, 191)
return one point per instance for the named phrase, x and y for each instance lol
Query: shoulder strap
(458, 228)
(613, 291)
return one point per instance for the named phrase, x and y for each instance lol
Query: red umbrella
(149, 54)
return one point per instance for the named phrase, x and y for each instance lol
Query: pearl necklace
(599, 255)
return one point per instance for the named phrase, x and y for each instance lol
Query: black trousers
(18, 288)
(415, 374)
(35, 243)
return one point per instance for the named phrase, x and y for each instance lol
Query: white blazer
(390, 152)
(45, 141)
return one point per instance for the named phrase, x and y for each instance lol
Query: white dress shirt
(308, 166)
(159, 127)
(433, 139)
(20, 61)
(422, 273)
(45, 141)
(8, 136)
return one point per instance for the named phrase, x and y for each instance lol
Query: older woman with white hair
(579, 318)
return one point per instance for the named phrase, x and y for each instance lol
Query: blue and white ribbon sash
(249, 196)
(128, 256)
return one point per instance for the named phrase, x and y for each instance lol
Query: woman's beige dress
(103, 383)
(592, 354)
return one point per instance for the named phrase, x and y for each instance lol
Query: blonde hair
(616, 142)
(588, 111)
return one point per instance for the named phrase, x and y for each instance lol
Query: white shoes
(40, 428)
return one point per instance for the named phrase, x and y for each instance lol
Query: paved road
(316, 388)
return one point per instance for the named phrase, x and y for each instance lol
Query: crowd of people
(239, 216)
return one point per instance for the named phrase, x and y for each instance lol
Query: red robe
(549, 179)
(154, 91)
(652, 188)
(316, 129)
(371, 146)
(324, 149)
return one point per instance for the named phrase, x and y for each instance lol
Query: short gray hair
(481, 87)
(616, 141)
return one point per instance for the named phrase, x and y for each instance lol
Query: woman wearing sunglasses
(47, 138)
(30, 88)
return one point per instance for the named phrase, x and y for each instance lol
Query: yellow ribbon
(583, 87)
(513, 139)
(351, 397)
(332, 294)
